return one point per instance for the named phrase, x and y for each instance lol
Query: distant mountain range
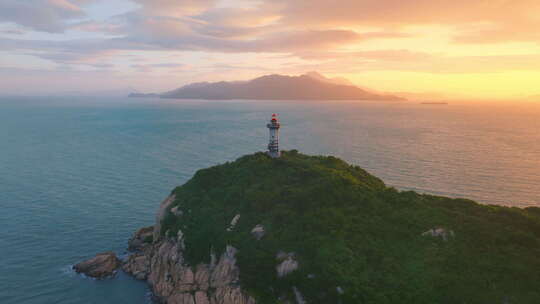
(310, 86)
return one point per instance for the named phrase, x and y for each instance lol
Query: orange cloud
(503, 16)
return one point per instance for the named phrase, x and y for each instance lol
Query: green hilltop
(354, 238)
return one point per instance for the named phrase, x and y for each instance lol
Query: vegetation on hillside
(348, 230)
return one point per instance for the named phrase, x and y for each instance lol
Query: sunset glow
(462, 49)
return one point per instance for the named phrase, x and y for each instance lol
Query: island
(143, 95)
(310, 86)
(315, 229)
(284, 227)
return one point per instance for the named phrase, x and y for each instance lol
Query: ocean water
(79, 175)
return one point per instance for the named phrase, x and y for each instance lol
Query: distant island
(143, 95)
(310, 86)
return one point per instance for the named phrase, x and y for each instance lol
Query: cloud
(101, 65)
(175, 8)
(291, 41)
(187, 25)
(40, 15)
(152, 67)
(406, 61)
(178, 40)
(74, 51)
(386, 55)
(496, 33)
(503, 16)
(12, 31)
(398, 12)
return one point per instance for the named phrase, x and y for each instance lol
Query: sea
(78, 175)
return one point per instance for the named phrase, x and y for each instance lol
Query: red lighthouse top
(274, 122)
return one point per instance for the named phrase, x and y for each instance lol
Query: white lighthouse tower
(273, 144)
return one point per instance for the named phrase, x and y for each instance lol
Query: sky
(459, 49)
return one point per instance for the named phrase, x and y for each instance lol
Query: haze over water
(79, 175)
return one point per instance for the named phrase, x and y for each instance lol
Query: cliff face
(161, 213)
(173, 281)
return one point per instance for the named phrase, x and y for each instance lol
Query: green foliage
(148, 239)
(348, 229)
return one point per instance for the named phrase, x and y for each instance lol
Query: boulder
(442, 233)
(180, 239)
(226, 272)
(177, 211)
(298, 296)
(174, 281)
(141, 238)
(230, 295)
(181, 298)
(234, 221)
(137, 265)
(258, 232)
(102, 265)
(287, 263)
(201, 298)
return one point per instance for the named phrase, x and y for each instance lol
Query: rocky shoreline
(172, 281)
(160, 261)
(101, 266)
(162, 265)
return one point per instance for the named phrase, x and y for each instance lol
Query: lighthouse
(273, 144)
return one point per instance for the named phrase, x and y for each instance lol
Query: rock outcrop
(176, 211)
(234, 221)
(258, 232)
(173, 281)
(101, 266)
(161, 213)
(287, 263)
(298, 296)
(138, 265)
(141, 238)
(442, 233)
